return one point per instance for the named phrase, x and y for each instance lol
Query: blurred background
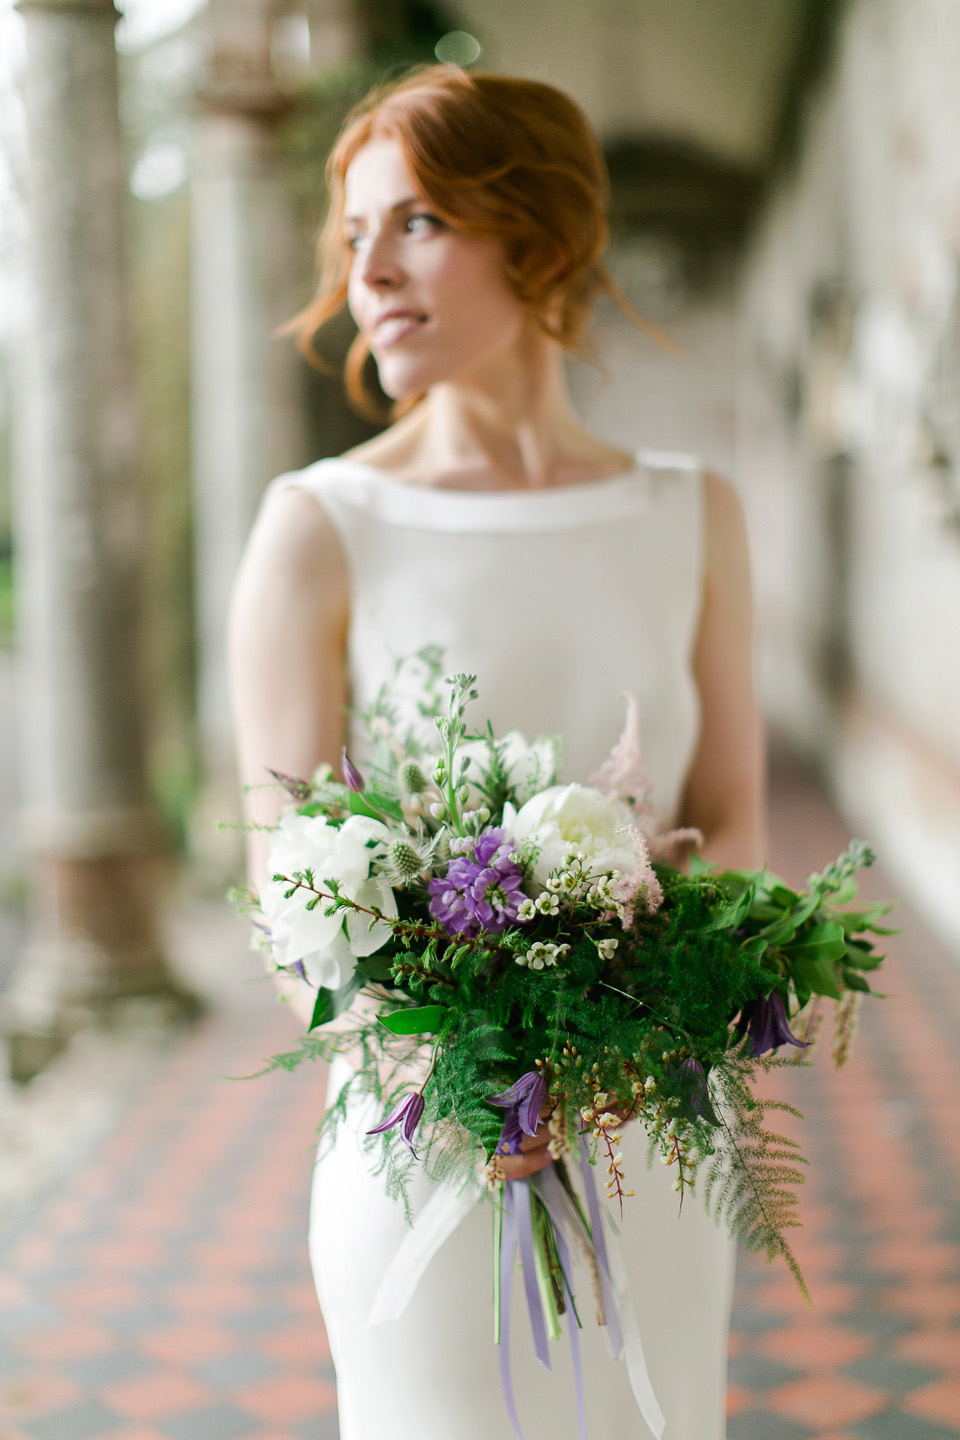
(785, 205)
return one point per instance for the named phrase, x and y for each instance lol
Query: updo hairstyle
(495, 156)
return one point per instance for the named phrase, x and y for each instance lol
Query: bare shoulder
(294, 530)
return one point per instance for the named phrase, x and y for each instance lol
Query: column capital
(104, 9)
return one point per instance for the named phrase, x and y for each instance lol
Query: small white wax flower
(527, 910)
(548, 904)
(607, 947)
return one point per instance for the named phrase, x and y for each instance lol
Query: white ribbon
(436, 1223)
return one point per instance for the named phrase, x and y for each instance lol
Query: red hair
(494, 156)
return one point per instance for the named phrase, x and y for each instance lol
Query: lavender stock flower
(768, 1026)
(481, 892)
(407, 1116)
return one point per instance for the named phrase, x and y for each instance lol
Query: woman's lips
(396, 326)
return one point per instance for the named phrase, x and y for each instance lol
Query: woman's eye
(422, 222)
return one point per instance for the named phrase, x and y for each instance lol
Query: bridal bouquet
(532, 953)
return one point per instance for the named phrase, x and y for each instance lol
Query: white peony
(328, 945)
(529, 766)
(566, 816)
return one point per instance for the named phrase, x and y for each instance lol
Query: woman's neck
(509, 426)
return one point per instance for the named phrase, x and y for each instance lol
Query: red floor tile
(187, 1343)
(939, 1402)
(73, 1340)
(819, 1400)
(157, 1396)
(814, 1344)
(935, 1346)
(36, 1393)
(288, 1399)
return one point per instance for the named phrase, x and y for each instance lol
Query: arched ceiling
(710, 73)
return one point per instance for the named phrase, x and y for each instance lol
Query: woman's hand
(533, 1156)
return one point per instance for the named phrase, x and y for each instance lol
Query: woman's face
(433, 303)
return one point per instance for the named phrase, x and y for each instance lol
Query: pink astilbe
(641, 886)
(672, 847)
(623, 775)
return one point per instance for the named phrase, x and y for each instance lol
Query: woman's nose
(378, 262)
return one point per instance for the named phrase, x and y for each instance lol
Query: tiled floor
(877, 1355)
(161, 1292)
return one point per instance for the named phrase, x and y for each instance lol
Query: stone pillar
(88, 828)
(249, 268)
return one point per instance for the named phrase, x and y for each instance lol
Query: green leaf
(374, 805)
(728, 916)
(825, 941)
(780, 895)
(779, 932)
(861, 956)
(331, 1003)
(855, 981)
(817, 976)
(423, 1020)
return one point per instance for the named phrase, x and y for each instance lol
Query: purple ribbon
(518, 1227)
(508, 1246)
(551, 1186)
(522, 1200)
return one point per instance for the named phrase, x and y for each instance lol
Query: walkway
(160, 1291)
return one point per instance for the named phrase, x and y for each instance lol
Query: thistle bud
(405, 859)
(412, 778)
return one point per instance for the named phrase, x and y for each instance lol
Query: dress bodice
(560, 600)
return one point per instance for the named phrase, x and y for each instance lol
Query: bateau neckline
(404, 487)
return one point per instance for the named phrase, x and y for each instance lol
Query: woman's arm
(724, 797)
(287, 655)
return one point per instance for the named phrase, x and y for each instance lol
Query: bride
(465, 232)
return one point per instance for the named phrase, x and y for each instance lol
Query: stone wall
(848, 437)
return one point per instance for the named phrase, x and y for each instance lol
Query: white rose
(528, 766)
(573, 815)
(327, 944)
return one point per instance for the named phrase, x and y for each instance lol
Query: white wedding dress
(560, 601)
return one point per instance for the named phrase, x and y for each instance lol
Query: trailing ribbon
(630, 1344)
(434, 1225)
(508, 1245)
(519, 1200)
(444, 1211)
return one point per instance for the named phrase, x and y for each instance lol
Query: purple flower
(407, 1116)
(511, 1135)
(480, 893)
(693, 1082)
(351, 775)
(523, 1103)
(767, 1025)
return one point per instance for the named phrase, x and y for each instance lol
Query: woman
(465, 232)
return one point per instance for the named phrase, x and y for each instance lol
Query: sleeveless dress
(559, 600)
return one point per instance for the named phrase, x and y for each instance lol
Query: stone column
(248, 275)
(88, 828)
